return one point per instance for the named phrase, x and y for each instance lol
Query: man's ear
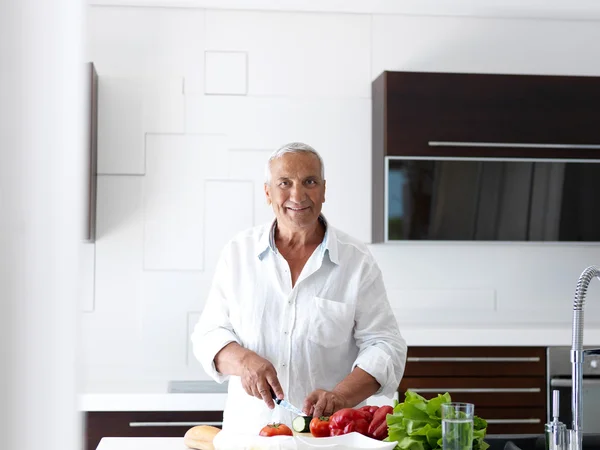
(267, 193)
(324, 189)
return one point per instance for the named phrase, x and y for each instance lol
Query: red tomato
(319, 426)
(276, 429)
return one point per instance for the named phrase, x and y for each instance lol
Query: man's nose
(297, 193)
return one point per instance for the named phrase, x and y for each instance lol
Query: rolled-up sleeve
(214, 329)
(382, 349)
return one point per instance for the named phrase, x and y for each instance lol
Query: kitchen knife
(287, 405)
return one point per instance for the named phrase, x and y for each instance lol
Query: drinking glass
(457, 426)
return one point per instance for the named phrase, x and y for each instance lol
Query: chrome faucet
(578, 354)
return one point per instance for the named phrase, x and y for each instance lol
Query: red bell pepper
(369, 409)
(347, 420)
(378, 428)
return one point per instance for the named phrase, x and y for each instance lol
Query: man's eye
(311, 182)
(284, 183)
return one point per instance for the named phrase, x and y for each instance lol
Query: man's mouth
(297, 209)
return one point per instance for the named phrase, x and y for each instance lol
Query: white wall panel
(483, 45)
(166, 299)
(111, 341)
(192, 363)
(248, 164)
(110, 334)
(229, 209)
(118, 244)
(461, 300)
(297, 54)
(128, 109)
(226, 73)
(534, 283)
(164, 334)
(174, 220)
(148, 42)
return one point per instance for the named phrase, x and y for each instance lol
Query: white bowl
(352, 440)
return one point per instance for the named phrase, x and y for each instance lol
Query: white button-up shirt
(336, 317)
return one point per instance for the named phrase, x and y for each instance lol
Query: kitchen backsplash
(191, 104)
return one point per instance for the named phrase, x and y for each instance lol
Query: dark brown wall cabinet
(418, 114)
(507, 385)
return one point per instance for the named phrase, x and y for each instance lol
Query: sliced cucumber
(301, 424)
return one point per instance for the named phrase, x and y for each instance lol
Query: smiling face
(296, 190)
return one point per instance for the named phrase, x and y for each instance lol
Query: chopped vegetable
(301, 424)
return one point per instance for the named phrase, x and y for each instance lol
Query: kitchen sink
(533, 441)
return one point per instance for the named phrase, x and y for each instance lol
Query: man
(297, 307)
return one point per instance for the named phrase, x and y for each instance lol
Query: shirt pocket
(330, 322)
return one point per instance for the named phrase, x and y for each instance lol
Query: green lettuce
(416, 424)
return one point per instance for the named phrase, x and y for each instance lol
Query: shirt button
(283, 365)
(285, 332)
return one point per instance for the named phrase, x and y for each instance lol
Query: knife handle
(277, 401)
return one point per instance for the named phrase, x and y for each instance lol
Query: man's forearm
(356, 387)
(229, 359)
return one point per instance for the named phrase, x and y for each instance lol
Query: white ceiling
(545, 9)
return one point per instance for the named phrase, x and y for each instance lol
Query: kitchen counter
(142, 444)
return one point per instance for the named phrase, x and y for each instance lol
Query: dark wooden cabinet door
(507, 385)
(144, 424)
(418, 108)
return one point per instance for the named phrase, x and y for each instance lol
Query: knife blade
(287, 405)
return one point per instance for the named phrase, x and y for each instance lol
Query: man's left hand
(323, 403)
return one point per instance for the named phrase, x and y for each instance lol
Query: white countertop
(141, 395)
(155, 443)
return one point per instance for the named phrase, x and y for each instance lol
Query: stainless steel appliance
(559, 378)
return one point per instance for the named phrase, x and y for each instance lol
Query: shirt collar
(329, 244)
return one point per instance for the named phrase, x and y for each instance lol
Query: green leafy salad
(417, 424)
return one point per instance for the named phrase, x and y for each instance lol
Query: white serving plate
(352, 440)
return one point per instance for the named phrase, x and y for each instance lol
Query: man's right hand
(258, 377)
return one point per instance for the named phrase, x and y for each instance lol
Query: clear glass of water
(457, 426)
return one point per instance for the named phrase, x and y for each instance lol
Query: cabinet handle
(475, 390)
(473, 359)
(513, 420)
(171, 424)
(511, 145)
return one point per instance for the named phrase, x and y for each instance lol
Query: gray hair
(292, 147)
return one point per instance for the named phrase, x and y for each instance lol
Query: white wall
(192, 101)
